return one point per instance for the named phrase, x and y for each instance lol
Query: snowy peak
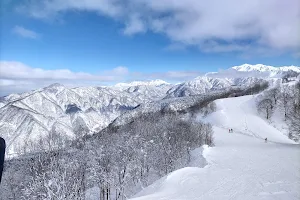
(265, 68)
(257, 67)
(266, 71)
(56, 87)
(290, 68)
(146, 83)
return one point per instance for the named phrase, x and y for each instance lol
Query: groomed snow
(241, 165)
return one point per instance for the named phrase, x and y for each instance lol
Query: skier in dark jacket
(2, 153)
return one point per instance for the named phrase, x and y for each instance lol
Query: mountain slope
(240, 166)
(32, 116)
(203, 84)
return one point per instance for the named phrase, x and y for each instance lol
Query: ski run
(241, 165)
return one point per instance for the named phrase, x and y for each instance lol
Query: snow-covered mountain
(26, 118)
(242, 75)
(204, 84)
(29, 117)
(267, 70)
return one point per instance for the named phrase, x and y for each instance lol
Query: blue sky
(141, 38)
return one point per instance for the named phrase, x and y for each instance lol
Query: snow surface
(241, 165)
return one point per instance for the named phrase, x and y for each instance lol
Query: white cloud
(182, 74)
(16, 77)
(46, 9)
(268, 24)
(26, 33)
(170, 76)
(18, 70)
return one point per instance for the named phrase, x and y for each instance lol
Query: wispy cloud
(271, 24)
(26, 33)
(134, 25)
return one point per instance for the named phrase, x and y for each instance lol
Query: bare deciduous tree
(265, 106)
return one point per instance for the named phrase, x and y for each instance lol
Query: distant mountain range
(71, 112)
(265, 69)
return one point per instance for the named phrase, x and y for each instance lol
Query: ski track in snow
(241, 165)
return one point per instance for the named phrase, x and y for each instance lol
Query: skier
(266, 140)
(228, 130)
(231, 130)
(2, 153)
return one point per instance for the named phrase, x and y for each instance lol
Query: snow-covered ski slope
(241, 165)
(241, 115)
